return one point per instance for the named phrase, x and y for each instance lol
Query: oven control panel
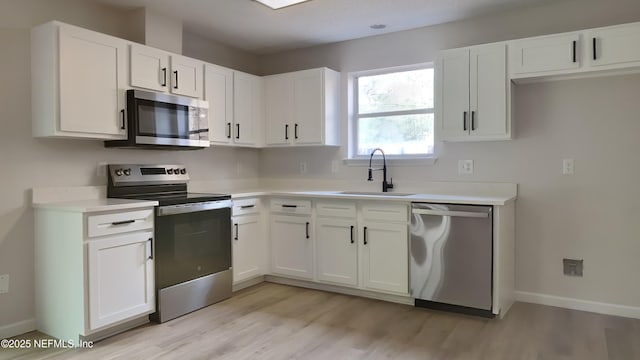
(130, 174)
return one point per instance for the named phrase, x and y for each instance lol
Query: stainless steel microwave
(162, 121)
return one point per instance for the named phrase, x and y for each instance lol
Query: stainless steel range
(192, 245)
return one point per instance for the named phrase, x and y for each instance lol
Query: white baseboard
(577, 304)
(18, 328)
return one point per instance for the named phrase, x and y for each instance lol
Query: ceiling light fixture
(279, 4)
(378, 26)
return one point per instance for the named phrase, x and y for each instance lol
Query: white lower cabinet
(337, 251)
(290, 231)
(291, 246)
(247, 247)
(120, 270)
(385, 256)
(94, 270)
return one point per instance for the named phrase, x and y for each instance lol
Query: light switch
(567, 166)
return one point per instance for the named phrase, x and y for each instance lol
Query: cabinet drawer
(386, 212)
(246, 207)
(115, 223)
(291, 206)
(336, 209)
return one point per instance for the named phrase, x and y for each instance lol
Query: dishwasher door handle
(451, 213)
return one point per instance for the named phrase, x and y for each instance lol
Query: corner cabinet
(291, 238)
(472, 94)
(102, 265)
(78, 83)
(302, 108)
(158, 70)
(249, 245)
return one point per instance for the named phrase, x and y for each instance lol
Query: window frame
(354, 117)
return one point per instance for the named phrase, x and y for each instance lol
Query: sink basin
(374, 193)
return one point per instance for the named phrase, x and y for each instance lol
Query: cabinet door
(93, 77)
(186, 76)
(248, 248)
(543, 54)
(488, 91)
(337, 251)
(278, 98)
(120, 276)
(452, 93)
(614, 45)
(308, 107)
(291, 246)
(385, 257)
(245, 93)
(149, 67)
(218, 91)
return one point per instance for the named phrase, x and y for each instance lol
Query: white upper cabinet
(614, 46)
(545, 54)
(218, 91)
(78, 83)
(247, 109)
(158, 70)
(302, 108)
(592, 52)
(472, 94)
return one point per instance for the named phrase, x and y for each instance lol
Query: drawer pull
(116, 223)
(247, 206)
(289, 206)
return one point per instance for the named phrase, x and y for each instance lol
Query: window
(394, 111)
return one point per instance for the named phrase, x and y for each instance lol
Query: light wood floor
(271, 321)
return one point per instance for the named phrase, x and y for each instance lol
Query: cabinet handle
(175, 86)
(237, 131)
(574, 51)
(246, 206)
(123, 222)
(352, 234)
(289, 206)
(307, 229)
(164, 77)
(295, 131)
(464, 120)
(595, 51)
(150, 257)
(473, 121)
(122, 119)
(365, 235)
(236, 237)
(286, 131)
(229, 130)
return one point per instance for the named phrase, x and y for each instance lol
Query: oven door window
(163, 120)
(192, 245)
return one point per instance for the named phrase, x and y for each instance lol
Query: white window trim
(397, 160)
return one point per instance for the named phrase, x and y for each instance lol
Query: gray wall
(592, 215)
(30, 162)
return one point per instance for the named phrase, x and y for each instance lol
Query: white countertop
(401, 197)
(93, 205)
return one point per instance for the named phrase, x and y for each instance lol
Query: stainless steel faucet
(385, 186)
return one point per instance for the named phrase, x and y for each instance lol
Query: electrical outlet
(572, 267)
(4, 284)
(303, 167)
(567, 166)
(465, 167)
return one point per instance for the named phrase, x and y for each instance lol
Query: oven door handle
(193, 207)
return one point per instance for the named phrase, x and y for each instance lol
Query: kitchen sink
(374, 193)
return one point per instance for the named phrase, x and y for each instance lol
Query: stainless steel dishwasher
(450, 253)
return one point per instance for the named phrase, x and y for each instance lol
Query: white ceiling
(251, 26)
